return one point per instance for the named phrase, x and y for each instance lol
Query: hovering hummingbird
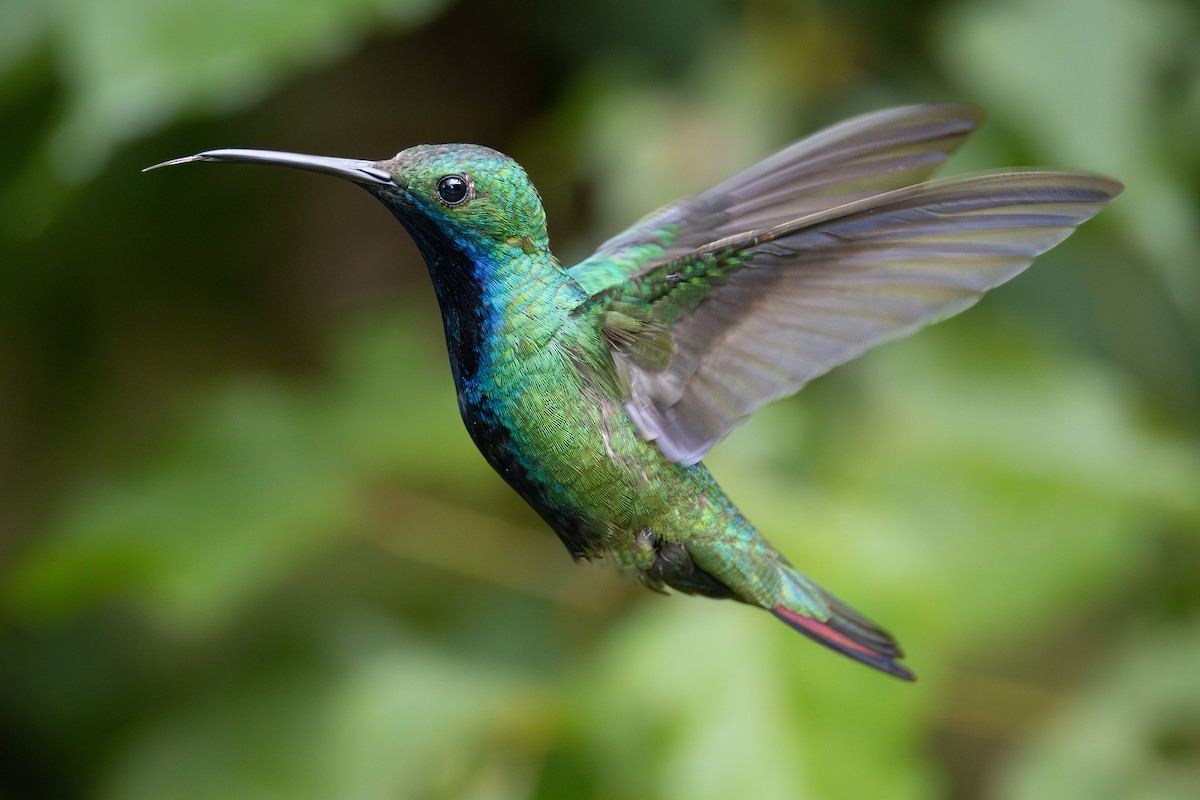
(595, 390)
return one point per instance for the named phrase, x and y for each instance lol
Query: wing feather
(858, 158)
(792, 301)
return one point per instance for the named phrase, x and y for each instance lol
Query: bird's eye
(454, 190)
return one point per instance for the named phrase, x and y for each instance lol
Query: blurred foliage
(249, 551)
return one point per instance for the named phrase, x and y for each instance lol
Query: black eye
(453, 190)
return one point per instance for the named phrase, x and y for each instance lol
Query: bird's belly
(576, 459)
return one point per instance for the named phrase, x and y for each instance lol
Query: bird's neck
(486, 291)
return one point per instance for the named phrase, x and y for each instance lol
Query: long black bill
(352, 169)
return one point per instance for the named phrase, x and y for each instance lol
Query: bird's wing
(703, 340)
(857, 158)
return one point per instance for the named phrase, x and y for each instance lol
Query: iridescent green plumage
(596, 390)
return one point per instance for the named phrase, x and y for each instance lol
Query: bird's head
(464, 193)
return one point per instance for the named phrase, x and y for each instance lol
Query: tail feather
(847, 632)
(741, 564)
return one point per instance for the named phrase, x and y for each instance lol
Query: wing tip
(968, 113)
(1092, 186)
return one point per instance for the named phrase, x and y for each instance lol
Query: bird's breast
(565, 446)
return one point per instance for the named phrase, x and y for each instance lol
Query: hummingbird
(596, 389)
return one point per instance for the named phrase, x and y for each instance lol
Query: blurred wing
(703, 341)
(858, 158)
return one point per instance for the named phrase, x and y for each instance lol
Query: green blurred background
(249, 552)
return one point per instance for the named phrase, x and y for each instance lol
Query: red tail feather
(851, 636)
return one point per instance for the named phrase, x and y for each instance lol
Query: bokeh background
(249, 552)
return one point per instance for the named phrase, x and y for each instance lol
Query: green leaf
(384, 717)
(1080, 80)
(1133, 730)
(259, 479)
(133, 66)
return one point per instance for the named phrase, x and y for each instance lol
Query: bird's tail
(823, 618)
(740, 563)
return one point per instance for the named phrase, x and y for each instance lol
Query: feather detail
(755, 316)
(854, 159)
(843, 635)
